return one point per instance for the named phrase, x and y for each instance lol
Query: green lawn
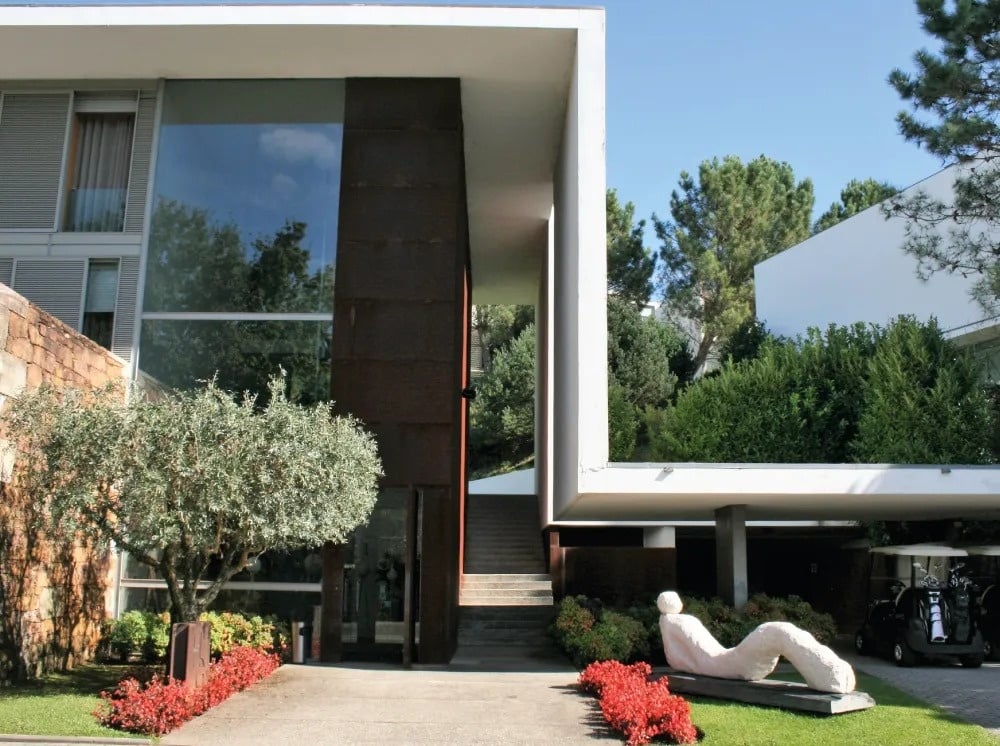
(60, 704)
(898, 718)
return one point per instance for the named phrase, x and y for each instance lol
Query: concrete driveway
(972, 694)
(313, 705)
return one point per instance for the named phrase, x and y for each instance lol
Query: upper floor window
(74, 161)
(100, 155)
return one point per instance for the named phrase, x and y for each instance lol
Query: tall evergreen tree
(953, 95)
(856, 197)
(630, 263)
(729, 219)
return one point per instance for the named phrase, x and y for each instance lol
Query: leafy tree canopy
(731, 217)
(856, 197)
(195, 484)
(630, 263)
(903, 394)
(953, 95)
(502, 415)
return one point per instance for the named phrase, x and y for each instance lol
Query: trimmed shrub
(903, 394)
(730, 626)
(231, 630)
(586, 633)
(638, 708)
(127, 634)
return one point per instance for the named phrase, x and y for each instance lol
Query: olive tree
(195, 484)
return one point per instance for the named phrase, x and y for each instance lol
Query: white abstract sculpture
(691, 648)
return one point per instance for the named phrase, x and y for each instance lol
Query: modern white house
(224, 188)
(857, 271)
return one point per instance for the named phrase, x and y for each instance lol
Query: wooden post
(409, 577)
(332, 615)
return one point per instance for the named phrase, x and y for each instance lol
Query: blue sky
(798, 80)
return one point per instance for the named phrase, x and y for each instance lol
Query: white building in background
(857, 271)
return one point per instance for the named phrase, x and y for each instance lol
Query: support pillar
(554, 556)
(731, 554)
(332, 614)
(659, 537)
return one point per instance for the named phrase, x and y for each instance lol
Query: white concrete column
(659, 537)
(731, 554)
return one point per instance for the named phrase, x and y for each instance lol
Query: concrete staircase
(503, 535)
(506, 595)
(506, 589)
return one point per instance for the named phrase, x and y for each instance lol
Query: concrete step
(532, 591)
(530, 577)
(509, 601)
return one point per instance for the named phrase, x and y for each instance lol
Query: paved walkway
(972, 694)
(314, 705)
(317, 705)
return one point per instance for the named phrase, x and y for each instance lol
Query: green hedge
(147, 635)
(587, 632)
(730, 626)
(900, 394)
(138, 633)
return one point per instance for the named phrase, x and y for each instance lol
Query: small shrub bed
(636, 707)
(138, 633)
(147, 635)
(162, 704)
(231, 630)
(587, 632)
(730, 626)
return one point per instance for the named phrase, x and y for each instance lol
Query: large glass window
(246, 197)
(242, 355)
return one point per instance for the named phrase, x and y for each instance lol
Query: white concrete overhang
(515, 65)
(665, 493)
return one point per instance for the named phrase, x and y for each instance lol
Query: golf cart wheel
(990, 651)
(861, 646)
(971, 661)
(903, 655)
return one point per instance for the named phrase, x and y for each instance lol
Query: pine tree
(954, 94)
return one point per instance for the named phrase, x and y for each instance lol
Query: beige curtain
(97, 200)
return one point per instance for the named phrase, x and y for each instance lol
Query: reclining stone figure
(691, 648)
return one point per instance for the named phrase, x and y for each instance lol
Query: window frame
(110, 107)
(71, 148)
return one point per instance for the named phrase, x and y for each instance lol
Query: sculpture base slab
(788, 695)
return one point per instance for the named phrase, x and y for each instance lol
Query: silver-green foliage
(196, 484)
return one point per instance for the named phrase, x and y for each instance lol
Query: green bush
(157, 636)
(903, 394)
(230, 630)
(127, 634)
(586, 633)
(730, 626)
(139, 632)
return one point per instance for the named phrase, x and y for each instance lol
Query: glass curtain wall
(239, 272)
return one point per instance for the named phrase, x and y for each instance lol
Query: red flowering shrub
(153, 709)
(161, 705)
(604, 674)
(636, 707)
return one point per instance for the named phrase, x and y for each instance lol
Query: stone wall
(52, 588)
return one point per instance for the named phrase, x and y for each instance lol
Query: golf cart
(935, 615)
(989, 606)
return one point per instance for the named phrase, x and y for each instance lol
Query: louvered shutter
(32, 136)
(125, 308)
(142, 148)
(6, 271)
(55, 286)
